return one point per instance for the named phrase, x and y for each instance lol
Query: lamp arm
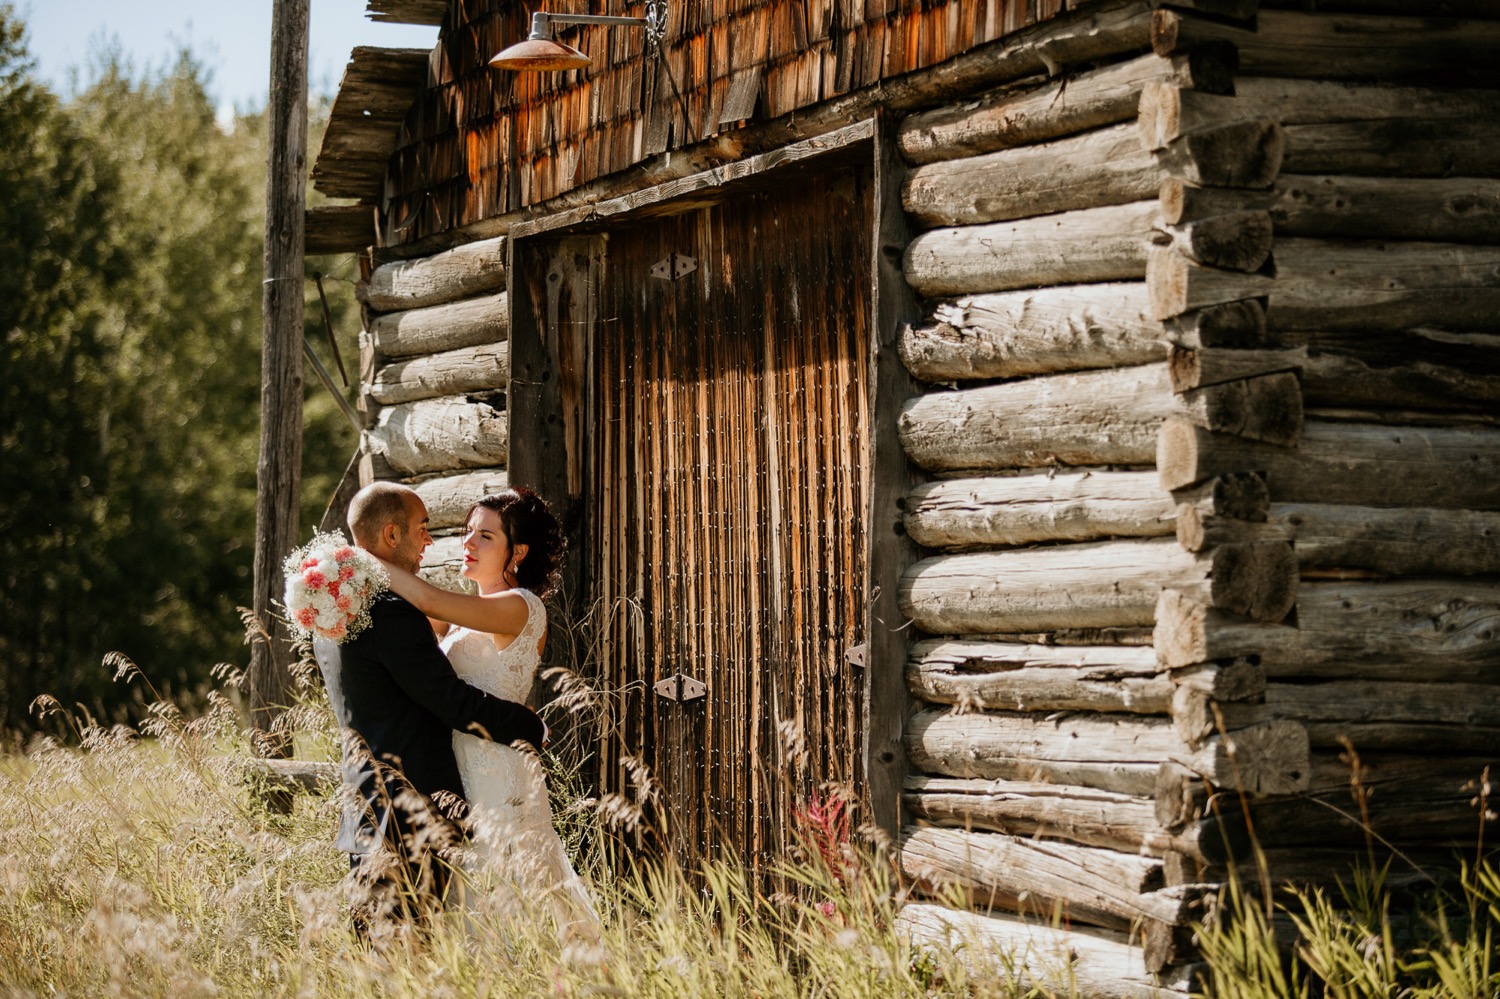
(539, 20)
(655, 21)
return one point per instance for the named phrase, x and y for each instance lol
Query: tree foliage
(130, 293)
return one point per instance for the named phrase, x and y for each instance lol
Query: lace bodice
(507, 673)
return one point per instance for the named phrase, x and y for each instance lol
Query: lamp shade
(539, 54)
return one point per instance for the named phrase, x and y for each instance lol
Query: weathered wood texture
(1106, 166)
(752, 77)
(1051, 505)
(439, 435)
(1115, 242)
(1333, 127)
(1101, 584)
(1018, 116)
(1035, 331)
(1095, 962)
(293, 775)
(1103, 417)
(1433, 630)
(1083, 815)
(461, 272)
(452, 372)
(1416, 370)
(1422, 368)
(365, 120)
(1111, 752)
(889, 550)
(407, 11)
(443, 564)
(1240, 324)
(1447, 209)
(1098, 244)
(1344, 46)
(1365, 286)
(726, 495)
(449, 326)
(278, 471)
(1408, 716)
(449, 496)
(1102, 887)
(1351, 463)
(338, 229)
(1092, 585)
(1405, 799)
(1393, 541)
(1241, 495)
(1004, 676)
(1344, 285)
(669, 196)
(1411, 871)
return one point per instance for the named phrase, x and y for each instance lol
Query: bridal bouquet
(330, 585)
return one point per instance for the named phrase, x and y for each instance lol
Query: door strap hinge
(680, 688)
(673, 267)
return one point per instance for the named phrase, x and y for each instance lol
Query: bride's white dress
(519, 860)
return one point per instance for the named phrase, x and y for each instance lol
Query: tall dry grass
(1361, 939)
(143, 863)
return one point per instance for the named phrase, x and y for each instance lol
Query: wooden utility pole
(279, 470)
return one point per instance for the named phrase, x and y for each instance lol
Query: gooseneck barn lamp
(540, 51)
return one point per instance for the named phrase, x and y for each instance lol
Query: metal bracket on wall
(673, 267)
(680, 688)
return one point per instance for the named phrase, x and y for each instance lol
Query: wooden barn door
(726, 496)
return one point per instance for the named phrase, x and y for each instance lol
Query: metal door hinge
(856, 656)
(670, 268)
(680, 688)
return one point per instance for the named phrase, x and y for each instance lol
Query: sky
(230, 37)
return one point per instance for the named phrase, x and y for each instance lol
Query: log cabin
(1072, 426)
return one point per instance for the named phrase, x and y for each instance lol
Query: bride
(513, 548)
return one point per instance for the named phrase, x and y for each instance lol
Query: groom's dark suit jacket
(393, 688)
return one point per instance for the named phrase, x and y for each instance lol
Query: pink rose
(315, 579)
(344, 554)
(333, 589)
(306, 617)
(343, 603)
(310, 561)
(346, 573)
(337, 631)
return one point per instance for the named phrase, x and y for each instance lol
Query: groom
(398, 701)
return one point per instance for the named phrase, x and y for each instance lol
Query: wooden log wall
(1182, 310)
(434, 360)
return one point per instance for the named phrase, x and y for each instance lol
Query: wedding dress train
(519, 860)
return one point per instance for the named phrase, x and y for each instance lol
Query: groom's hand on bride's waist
(474, 728)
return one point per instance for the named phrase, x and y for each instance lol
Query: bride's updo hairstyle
(527, 520)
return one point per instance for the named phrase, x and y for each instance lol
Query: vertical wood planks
(730, 417)
(477, 144)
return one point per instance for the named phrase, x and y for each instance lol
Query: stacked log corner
(1381, 294)
(434, 370)
(1211, 366)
